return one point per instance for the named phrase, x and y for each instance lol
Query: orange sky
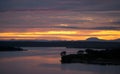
(61, 35)
(59, 25)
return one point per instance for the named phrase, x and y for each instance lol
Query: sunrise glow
(59, 20)
(61, 35)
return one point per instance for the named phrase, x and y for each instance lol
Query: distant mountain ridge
(88, 39)
(97, 39)
(89, 43)
(117, 40)
(93, 39)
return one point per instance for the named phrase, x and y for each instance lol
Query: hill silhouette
(68, 44)
(10, 48)
(97, 39)
(94, 39)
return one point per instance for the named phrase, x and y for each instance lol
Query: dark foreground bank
(90, 56)
(10, 48)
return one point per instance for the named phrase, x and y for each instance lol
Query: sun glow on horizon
(107, 35)
(60, 35)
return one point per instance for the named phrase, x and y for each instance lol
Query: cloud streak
(60, 15)
(92, 28)
(74, 5)
(74, 20)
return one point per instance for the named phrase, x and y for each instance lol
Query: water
(46, 60)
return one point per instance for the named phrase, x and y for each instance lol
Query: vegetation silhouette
(91, 56)
(10, 48)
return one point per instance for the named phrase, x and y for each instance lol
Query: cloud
(90, 28)
(68, 27)
(115, 23)
(74, 5)
(112, 24)
(44, 14)
(106, 28)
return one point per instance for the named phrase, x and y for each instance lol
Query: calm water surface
(46, 60)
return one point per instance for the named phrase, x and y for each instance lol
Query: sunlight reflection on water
(39, 60)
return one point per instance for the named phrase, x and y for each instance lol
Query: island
(91, 56)
(10, 48)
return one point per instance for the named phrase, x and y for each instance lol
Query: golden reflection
(35, 59)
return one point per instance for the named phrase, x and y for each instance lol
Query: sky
(59, 19)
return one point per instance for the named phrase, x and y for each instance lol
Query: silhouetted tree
(63, 53)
